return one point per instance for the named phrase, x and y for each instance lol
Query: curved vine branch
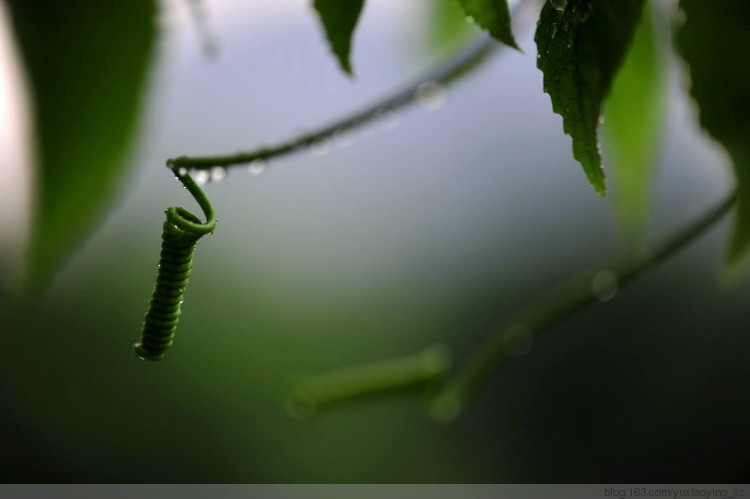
(312, 392)
(470, 57)
(563, 302)
(501, 346)
(181, 232)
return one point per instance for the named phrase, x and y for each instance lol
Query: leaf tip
(594, 172)
(512, 44)
(339, 20)
(597, 179)
(346, 67)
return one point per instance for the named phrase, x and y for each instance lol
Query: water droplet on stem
(344, 136)
(202, 177)
(218, 173)
(321, 146)
(257, 166)
(389, 119)
(604, 285)
(517, 340)
(431, 95)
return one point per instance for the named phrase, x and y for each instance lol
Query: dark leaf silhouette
(339, 18)
(715, 42)
(581, 45)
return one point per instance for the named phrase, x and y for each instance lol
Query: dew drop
(321, 146)
(182, 171)
(202, 177)
(469, 19)
(559, 4)
(300, 405)
(431, 95)
(344, 136)
(517, 340)
(257, 166)
(601, 119)
(388, 117)
(552, 31)
(218, 173)
(604, 285)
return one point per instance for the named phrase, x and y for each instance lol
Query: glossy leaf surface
(581, 45)
(492, 15)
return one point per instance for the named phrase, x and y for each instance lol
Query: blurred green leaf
(448, 28)
(632, 127)
(581, 45)
(339, 18)
(492, 15)
(86, 64)
(715, 42)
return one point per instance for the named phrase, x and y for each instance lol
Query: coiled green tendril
(181, 233)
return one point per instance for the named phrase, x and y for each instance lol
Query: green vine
(431, 365)
(180, 235)
(560, 304)
(454, 68)
(515, 338)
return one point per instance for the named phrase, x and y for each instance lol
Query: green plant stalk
(346, 383)
(456, 67)
(469, 58)
(560, 304)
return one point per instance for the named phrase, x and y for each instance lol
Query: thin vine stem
(312, 392)
(563, 302)
(467, 59)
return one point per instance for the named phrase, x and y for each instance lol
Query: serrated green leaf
(633, 127)
(339, 18)
(492, 15)
(581, 45)
(715, 43)
(86, 64)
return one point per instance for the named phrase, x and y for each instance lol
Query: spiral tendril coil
(181, 233)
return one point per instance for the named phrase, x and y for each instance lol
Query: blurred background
(433, 225)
